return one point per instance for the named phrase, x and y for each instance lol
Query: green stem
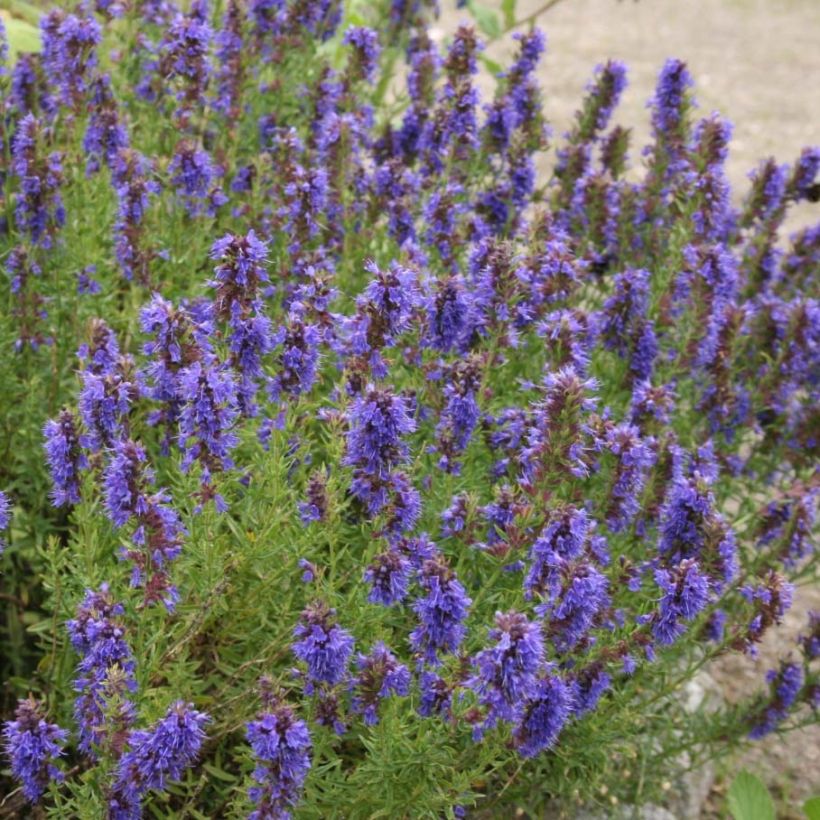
(386, 77)
(530, 18)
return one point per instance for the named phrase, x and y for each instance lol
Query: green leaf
(811, 808)
(356, 19)
(21, 10)
(508, 10)
(22, 36)
(486, 18)
(749, 799)
(218, 773)
(491, 65)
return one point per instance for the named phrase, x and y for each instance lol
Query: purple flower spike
(158, 531)
(69, 53)
(32, 745)
(670, 106)
(634, 458)
(365, 58)
(209, 393)
(65, 458)
(5, 517)
(544, 715)
(194, 177)
(229, 53)
(240, 276)
(39, 211)
(155, 757)
(105, 674)
(685, 594)
(379, 676)
(785, 685)
(281, 744)
(506, 672)
(441, 611)
(388, 576)
(322, 644)
(379, 420)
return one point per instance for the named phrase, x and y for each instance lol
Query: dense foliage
(353, 464)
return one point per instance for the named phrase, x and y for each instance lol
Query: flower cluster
(5, 517)
(281, 745)
(133, 184)
(32, 745)
(157, 530)
(489, 451)
(379, 676)
(39, 211)
(506, 672)
(323, 645)
(155, 756)
(105, 679)
(441, 611)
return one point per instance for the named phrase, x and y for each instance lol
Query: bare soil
(789, 764)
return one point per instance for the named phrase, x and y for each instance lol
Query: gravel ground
(789, 764)
(758, 63)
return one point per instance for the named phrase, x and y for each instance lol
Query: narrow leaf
(486, 18)
(491, 65)
(508, 10)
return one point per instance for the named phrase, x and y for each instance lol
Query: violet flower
(379, 676)
(5, 518)
(543, 716)
(39, 210)
(156, 756)
(230, 72)
(365, 52)
(634, 456)
(105, 134)
(158, 531)
(685, 594)
(195, 179)
(32, 744)
(105, 674)
(70, 53)
(379, 420)
(460, 414)
(281, 745)
(65, 458)
(441, 611)
(436, 695)
(133, 184)
(240, 276)
(322, 645)
(208, 391)
(298, 357)
(506, 671)
(785, 685)
(388, 576)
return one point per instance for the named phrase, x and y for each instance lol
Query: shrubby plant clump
(354, 468)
